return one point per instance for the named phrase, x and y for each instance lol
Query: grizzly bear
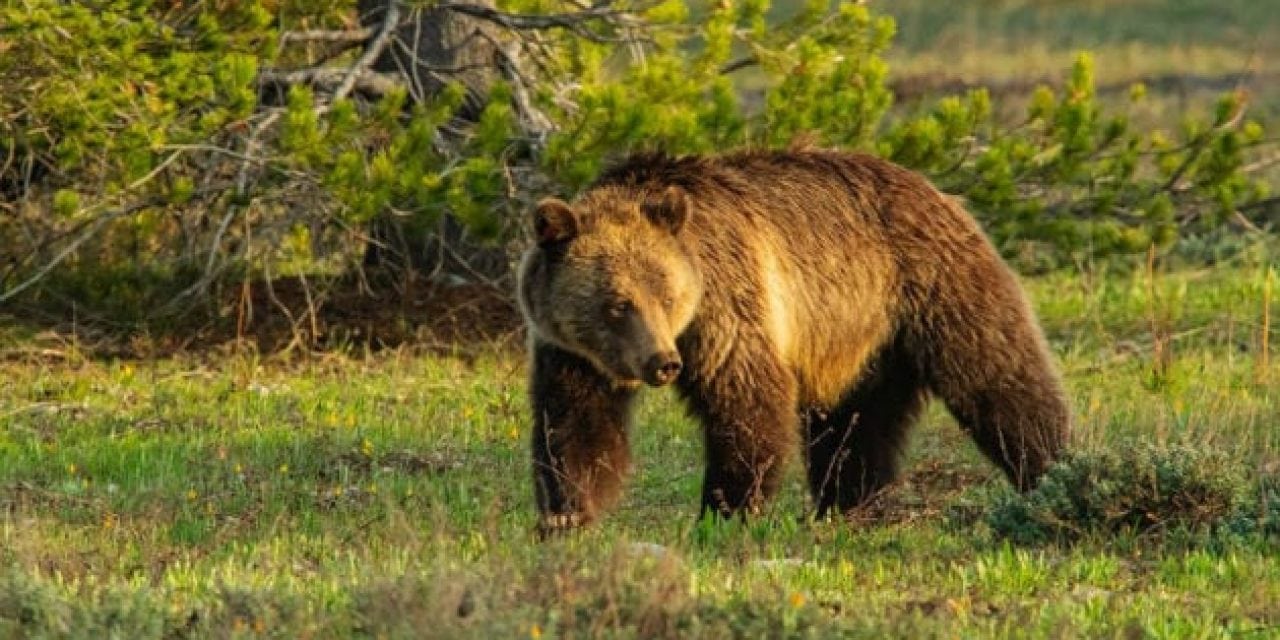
(788, 294)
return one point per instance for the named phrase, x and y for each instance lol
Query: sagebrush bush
(1260, 515)
(1142, 489)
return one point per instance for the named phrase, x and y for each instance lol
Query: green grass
(389, 495)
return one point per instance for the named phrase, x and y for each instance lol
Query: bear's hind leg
(993, 371)
(1019, 423)
(854, 450)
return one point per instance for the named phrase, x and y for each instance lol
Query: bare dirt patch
(290, 312)
(924, 493)
(287, 315)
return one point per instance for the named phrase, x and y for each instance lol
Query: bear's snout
(662, 368)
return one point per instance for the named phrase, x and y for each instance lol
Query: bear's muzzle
(662, 368)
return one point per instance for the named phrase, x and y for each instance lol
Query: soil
(432, 314)
(293, 315)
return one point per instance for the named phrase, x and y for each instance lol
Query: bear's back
(819, 252)
(832, 193)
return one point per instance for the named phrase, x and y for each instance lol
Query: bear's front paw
(550, 524)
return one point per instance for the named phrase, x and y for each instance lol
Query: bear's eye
(618, 309)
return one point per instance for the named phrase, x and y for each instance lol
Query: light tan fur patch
(780, 308)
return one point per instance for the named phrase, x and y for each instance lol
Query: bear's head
(609, 279)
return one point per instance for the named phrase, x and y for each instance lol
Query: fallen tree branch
(92, 229)
(575, 22)
(389, 23)
(331, 78)
(532, 119)
(66, 252)
(321, 35)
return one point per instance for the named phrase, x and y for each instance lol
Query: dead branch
(575, 22)
(91, 229)
(67, 251)
(331, 78)
(251, 149)
(1259, 165)
(389, 23)
(739, 64)
(532, 119)
(320, 35)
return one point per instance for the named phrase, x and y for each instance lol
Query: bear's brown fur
(814, 294)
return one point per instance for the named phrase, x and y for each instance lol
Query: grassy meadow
(388, 495)
(226, 493)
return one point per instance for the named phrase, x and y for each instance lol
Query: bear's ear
(554, 221)
(670, 210)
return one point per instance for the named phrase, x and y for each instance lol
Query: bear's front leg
(748, 412)
(580, 452)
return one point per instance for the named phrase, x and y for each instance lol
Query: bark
(431, 48)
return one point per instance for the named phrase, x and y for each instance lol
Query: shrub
(1141, 490)
(1260, 515)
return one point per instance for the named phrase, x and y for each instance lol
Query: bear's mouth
(617, 371)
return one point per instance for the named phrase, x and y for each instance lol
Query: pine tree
(159, 150)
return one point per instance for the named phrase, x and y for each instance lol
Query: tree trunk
(433, 47)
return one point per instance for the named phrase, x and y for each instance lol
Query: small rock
(650, 549)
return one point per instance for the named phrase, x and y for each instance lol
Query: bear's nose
(663, 368)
